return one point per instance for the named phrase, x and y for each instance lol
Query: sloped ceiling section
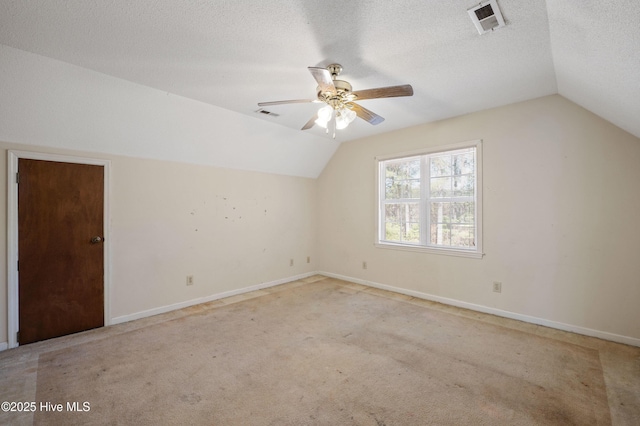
(596, 53)
(45, 102)
(232, 55)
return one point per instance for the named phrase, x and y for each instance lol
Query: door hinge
(18, 265)
(18, 337)
(17, 177)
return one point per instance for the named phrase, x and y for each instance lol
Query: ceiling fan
(340, 108)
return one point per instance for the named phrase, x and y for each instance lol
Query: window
(431, 200)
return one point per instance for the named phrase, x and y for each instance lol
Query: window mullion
(425, 176)
(382, 195)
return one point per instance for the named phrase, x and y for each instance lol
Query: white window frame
(475, 252)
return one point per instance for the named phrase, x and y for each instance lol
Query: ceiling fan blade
(384, 92)
(365, 114)
(293, 101)
(310, 123)
(323, 77)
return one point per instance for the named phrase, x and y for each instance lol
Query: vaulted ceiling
(234, 54)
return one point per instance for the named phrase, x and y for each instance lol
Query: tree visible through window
(431, 200)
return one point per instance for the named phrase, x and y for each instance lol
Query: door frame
(12, 233)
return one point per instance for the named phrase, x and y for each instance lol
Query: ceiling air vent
(265, 112)
(486, 16)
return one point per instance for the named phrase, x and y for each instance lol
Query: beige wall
(561, 203)
(230, 229)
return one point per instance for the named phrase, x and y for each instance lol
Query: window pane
(453, 224)
(405, 189)
(441, 165)
(462, 236)
(412, 233)
(413, 168)
(410, 222)
(392, 231)
(402, 222)
(402, 179)
(409, 169)
(440, 234)
(463, 163)
(390, 191)
(415, 188)
(440, 213)
(462, 213)
(410, 188)
(440, 187)
(449, 212)
(463, 186)
(392, 213)
(413, 212)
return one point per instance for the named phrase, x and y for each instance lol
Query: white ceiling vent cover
(486, 16)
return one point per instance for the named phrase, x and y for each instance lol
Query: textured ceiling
(234, 54)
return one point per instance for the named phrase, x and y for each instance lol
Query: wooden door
(60, 248)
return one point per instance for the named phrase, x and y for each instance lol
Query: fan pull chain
(334, 123)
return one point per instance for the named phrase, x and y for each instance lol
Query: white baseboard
(498, 312)
(187, 303)
(480, 308)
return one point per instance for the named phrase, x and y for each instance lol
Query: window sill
(433, 250)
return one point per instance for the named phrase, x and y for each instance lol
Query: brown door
(60, 249)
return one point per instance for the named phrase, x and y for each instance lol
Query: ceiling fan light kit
(339, 98)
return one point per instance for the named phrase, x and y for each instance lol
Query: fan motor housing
(342, 86)
(343, 89)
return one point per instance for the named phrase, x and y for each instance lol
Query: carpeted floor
(326, 353)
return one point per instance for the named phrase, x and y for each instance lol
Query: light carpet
(325, 354)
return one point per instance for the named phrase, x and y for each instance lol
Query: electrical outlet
(308, 259)
(364, 265)
(290, 262)
(497, 287)
(189, 279)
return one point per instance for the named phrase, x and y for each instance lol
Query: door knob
(97, 239)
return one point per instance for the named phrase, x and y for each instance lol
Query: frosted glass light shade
(344, 116)
(324, 115)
